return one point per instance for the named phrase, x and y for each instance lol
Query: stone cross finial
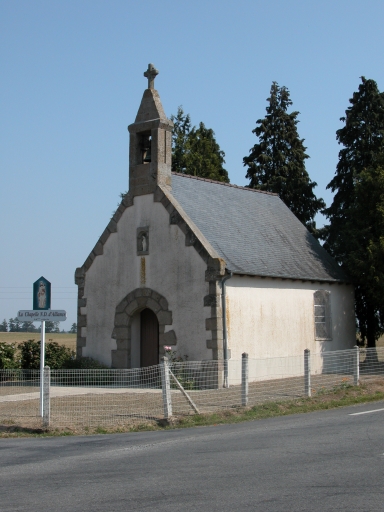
(151, 75)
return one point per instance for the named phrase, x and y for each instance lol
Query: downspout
(225, 333)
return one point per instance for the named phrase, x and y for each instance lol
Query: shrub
(172, 355)
(56, 356)
(180, 370)
(7, 356)
(30, 355)
(87, 378)
(85, 363)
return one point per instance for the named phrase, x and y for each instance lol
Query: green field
(69, 340)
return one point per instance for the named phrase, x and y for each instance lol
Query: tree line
(14, 325)
(354, 234)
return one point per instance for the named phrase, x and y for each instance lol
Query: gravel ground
(122, 406)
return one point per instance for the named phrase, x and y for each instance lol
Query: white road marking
(365, 412)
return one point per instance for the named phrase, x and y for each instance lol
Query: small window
(322, 307)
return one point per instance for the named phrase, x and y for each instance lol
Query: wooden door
(149, 338)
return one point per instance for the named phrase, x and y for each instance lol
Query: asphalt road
(328, 461)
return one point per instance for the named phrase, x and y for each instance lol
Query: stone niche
(142, 241)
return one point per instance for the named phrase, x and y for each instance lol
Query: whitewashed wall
(175, 271)
(268, 318)
(272, 368)
(274, 318)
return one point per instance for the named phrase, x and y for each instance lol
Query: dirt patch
(17, 390)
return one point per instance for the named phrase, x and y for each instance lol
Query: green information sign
(41, 294)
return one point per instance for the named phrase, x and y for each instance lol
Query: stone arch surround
(136, 301)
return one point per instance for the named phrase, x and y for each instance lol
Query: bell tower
(150, 143)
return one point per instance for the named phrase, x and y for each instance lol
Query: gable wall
(275, 318)
(172, 269)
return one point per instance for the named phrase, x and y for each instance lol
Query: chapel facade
(211, 269)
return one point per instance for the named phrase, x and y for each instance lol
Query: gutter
(225, 333)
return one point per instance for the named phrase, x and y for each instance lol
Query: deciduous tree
(14, 325)
(52, 327)
(27, 327)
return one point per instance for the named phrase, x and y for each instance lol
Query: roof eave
(292, 278)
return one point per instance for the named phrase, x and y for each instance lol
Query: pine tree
(204, 157)
(4, 326)
(180, 134)
(277, 162)
(195, 151)
(356, 230)
(363, 233)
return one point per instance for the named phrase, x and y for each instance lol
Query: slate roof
(253, 231)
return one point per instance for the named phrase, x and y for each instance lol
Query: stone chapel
(211, 269)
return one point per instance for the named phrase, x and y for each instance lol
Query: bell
(147, 155)
(147, 151)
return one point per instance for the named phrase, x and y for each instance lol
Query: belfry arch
(125, 325)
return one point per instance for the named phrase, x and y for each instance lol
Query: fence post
(356, 368)
(46, 398)
(307, 372)
(244, 379)
(226, 382)
(166, 387)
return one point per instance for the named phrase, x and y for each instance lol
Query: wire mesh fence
(20, 397)
(119, 397)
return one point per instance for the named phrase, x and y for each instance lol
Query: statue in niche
(142, 240)
(42, 295)
(144, 243)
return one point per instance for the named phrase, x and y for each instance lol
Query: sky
(72, 81)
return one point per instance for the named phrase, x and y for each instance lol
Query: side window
(322, 311)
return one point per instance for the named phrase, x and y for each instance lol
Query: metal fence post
(356, 368)
(244, 379)
(307, 372)
(46, 398)
(166, 387)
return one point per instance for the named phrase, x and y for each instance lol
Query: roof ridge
(223, 183)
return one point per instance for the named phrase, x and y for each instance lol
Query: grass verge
(339, 396)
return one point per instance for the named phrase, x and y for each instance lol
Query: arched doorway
(127, 327)
(149, 338)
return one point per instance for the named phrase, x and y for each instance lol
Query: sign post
(42, 363)
(42, 312)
